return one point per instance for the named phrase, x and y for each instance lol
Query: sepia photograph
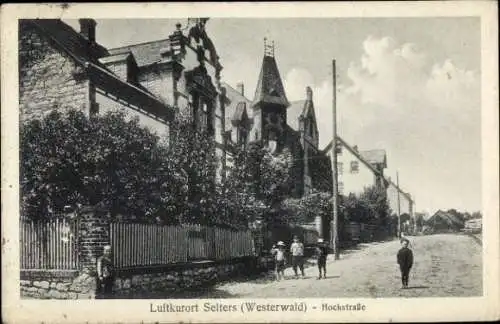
(200, 157)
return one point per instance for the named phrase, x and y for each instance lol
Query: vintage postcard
(243, 162)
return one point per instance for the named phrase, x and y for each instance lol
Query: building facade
(61, 68)
(357, 170)
(271, 119)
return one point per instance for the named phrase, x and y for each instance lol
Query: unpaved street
(445, 265)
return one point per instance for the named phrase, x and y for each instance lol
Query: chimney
(240, 88)
(309, 94)
(355, 147)
(87, 29)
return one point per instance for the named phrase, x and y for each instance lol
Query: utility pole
(334, 225)
(399, 206)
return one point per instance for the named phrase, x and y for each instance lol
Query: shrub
(71, 159)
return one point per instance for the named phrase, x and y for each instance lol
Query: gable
(67, 39)
(234, 98)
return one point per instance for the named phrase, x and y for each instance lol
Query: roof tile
(144, 53)
(270, 87)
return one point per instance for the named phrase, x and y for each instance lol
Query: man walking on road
(297, 250)
(405, 261)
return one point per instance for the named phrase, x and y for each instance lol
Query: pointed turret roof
(240, 113)
(270, 87)
(301, 109)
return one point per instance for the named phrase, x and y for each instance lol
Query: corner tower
(270, 103)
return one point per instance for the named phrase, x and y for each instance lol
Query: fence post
(93, 235)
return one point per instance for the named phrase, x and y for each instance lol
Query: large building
(61, 68)
(268, 117)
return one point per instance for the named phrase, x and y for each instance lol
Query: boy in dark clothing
(321, 253)
(405, 261)
(105, 274)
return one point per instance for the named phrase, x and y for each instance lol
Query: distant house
(473, 225)
(444, 222)
(358, 169)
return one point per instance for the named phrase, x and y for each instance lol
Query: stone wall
(57, 285)
(137, 283)
(48, 78)
(130, 283)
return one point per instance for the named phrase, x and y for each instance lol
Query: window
(203, 114)
(341, 187)
(311, 131)
(338, 148)
(354, 166)
(203, 117)
(340, 168)
(242, 139)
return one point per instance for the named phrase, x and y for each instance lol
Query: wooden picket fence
(354, 230)
(48, 244)
(138, 245)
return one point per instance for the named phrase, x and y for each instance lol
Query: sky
(410, 86)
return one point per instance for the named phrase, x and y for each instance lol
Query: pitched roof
(297, 109)
(240, 112)
(375, 156)
(447, 217)
(235, 99)
(144, 53)
(294, 111)
(270, 87)
(67, 38)
(329, 146)
(78, 48)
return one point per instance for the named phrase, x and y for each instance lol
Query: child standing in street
(321, 253)
(279, 260)
(297, 250)
(405, 261)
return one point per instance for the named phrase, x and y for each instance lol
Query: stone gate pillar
(93, 235)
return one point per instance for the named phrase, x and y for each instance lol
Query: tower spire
(268, 49)
(270, 88)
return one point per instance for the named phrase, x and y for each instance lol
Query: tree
(476, 215)
(257, 182)
(374, 199)
(419, 221)
(71, 159)
(307, 208)
(192, 150)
